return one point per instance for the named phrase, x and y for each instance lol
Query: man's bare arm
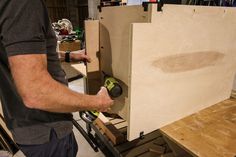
(40, 91)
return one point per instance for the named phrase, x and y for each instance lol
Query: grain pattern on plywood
(187, 61)
(185, 64)
(210, 132)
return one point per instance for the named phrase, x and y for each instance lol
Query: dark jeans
(65, 147)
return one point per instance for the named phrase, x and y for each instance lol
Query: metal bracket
(99, 8)
(159, 3)
(141, 135)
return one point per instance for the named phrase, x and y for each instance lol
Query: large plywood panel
(182, 62)
(115, 23)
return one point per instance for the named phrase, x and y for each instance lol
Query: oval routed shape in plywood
(187, 61)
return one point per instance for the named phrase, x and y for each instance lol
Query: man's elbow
(30, 101)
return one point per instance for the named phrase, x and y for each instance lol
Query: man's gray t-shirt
(26, 29)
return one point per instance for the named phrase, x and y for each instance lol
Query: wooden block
(116, 121)
(94, 82)
(69, 46)
(123, 131)
(103, 118)
(112, 133)
(121, 125)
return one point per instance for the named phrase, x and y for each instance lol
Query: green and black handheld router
(114, 90)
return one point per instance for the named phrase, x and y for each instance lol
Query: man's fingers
(88, 59)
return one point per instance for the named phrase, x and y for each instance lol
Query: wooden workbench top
(208, 133)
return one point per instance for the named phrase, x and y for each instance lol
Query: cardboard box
(70, 46)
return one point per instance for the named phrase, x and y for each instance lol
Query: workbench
(208, 133)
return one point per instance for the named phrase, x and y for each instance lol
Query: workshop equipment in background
(64, 27)
(114, 90)
(80, 33)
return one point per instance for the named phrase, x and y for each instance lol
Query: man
(35, 98)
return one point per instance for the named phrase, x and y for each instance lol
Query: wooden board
(93, 79)
(210, 132)
(115, 25)
(182, 62)
(92, 44)
(112, 133)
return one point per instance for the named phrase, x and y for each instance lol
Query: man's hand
(79, 55)
(104, 100)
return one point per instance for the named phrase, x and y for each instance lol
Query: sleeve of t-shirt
(23, 28)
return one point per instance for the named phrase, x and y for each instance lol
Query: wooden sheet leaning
(181, 62)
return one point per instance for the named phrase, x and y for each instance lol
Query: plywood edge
(129, 82)
(191, 10)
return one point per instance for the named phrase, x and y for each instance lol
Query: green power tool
(114, 90)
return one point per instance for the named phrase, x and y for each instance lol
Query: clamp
(159, 3)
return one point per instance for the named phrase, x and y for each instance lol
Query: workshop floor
(84, 148)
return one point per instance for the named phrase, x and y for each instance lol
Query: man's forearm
(40, 91)
(49, 95)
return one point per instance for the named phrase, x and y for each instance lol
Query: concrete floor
(84, 148)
